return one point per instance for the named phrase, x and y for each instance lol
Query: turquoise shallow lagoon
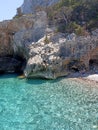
(36, 104)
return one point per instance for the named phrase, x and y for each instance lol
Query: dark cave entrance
(12, 64)
(74, 69)
(93, 64)
(73, 66)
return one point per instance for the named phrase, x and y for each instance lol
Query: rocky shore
(90, 78)
(42, 51)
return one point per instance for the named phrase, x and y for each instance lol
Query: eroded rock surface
(48, 54)
(60, 56)
(23, 38)
(8, 30)
(17, 34)
(29, 6)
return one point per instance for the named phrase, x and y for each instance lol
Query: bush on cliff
(82, 14)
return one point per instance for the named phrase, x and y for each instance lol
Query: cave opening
(12, 64)
(74, 66)
(93, 64)
(74, 69)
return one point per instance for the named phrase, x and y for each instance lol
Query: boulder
(56, 59)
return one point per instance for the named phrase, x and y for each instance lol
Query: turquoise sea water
(35, 104)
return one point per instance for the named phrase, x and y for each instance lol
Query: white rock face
(29, 6)
(57, 57)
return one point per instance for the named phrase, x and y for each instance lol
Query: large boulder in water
(54, 55)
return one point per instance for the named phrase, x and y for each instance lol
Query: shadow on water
(8, 75)
(35, 81)
(43, 80)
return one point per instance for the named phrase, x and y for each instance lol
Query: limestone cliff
(8, 29)
(29, 44)
(30, 6)
(58, 56)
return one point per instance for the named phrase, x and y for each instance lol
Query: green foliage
(46, 40)
(74, 15)
(79, 30)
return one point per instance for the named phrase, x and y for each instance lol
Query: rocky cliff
(29, 6)
(29, 44)
(19, 32)
(55, 55)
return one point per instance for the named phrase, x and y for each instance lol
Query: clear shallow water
(62, 104)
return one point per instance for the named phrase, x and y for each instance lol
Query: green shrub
(79, 30)
(46, 40)
(81, 15)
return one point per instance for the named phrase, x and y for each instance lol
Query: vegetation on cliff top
(79, 16)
